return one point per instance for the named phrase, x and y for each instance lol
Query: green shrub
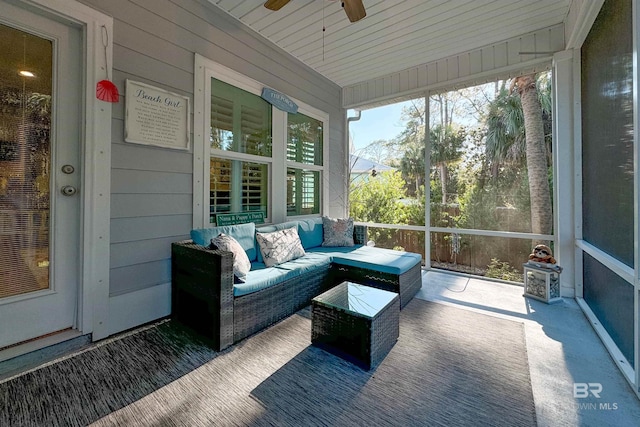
(503, 270)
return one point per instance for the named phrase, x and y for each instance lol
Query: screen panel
(611, 299)
(607, 132)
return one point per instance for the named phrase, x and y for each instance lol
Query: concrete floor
(562, 346)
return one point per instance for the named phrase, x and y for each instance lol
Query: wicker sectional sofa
(205, 298)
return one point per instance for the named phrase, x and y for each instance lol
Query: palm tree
(505, 139)
(412, 166)
(516, 132)
(537, 168)
(446, 147)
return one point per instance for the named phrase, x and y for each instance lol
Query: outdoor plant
(503, 270)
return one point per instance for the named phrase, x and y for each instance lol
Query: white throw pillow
(280, 246)
(241, 263)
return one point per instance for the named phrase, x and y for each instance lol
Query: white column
(279, 167)
(563, 169)
(427, 185)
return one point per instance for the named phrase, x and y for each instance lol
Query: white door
(40, 152)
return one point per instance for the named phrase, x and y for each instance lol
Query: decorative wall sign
(239, 218)
(279, 100)
(154, 116)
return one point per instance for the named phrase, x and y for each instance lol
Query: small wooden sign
(279, 100)
(155, 116)
(239, 218)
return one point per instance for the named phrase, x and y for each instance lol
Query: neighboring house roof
(360, 165)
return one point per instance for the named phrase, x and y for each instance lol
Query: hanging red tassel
(105, 89)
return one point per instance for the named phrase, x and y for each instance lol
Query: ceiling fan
(353, 8)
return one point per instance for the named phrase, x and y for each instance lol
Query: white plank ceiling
(395, 34)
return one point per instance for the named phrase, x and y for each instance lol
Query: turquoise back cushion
(310, 232)
(243, 233)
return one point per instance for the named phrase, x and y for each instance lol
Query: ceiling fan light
(26, 73)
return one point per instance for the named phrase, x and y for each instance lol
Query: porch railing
(492, 254)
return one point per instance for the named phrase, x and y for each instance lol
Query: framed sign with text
(154, 116)
(240, 218)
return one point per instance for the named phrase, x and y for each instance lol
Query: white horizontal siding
(473, 66)
(139, 276)
(134, 181)
(126, 156)
(133, 229)
(141, 251)
(132, 309)
(155, 42)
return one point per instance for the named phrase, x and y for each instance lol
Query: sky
(374, 124)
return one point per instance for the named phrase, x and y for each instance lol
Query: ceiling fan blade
(275, 4)
(354, 10)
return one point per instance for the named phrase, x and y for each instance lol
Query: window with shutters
(259, 158)
(240, 121)
(303, 192)
(237, 186)
(304, 164)
(304, 139)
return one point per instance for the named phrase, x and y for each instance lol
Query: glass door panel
(25, 161)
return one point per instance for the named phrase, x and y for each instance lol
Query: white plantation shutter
(241, 123)
(304, 142)
(221, 123)
(253, 186)
(254, 182)
(304, 158)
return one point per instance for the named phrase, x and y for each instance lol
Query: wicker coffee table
(356, 322)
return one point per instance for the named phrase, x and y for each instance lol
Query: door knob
(68, 190)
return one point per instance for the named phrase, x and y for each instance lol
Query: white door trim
(95, 187)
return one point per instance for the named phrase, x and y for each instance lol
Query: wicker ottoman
(356, 322)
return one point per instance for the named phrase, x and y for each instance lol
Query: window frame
(291, 164)
(277, 164)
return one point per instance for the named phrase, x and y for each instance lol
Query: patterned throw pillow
(337, 231)
(280, 246)
(241, 263)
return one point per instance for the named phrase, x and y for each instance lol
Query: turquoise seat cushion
(243, 233)
(262, 277)
(308, 262)
(371, 258)
(334, 250)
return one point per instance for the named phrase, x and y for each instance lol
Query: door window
(25, 161)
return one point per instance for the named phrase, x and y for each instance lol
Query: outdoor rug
(450, 367)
